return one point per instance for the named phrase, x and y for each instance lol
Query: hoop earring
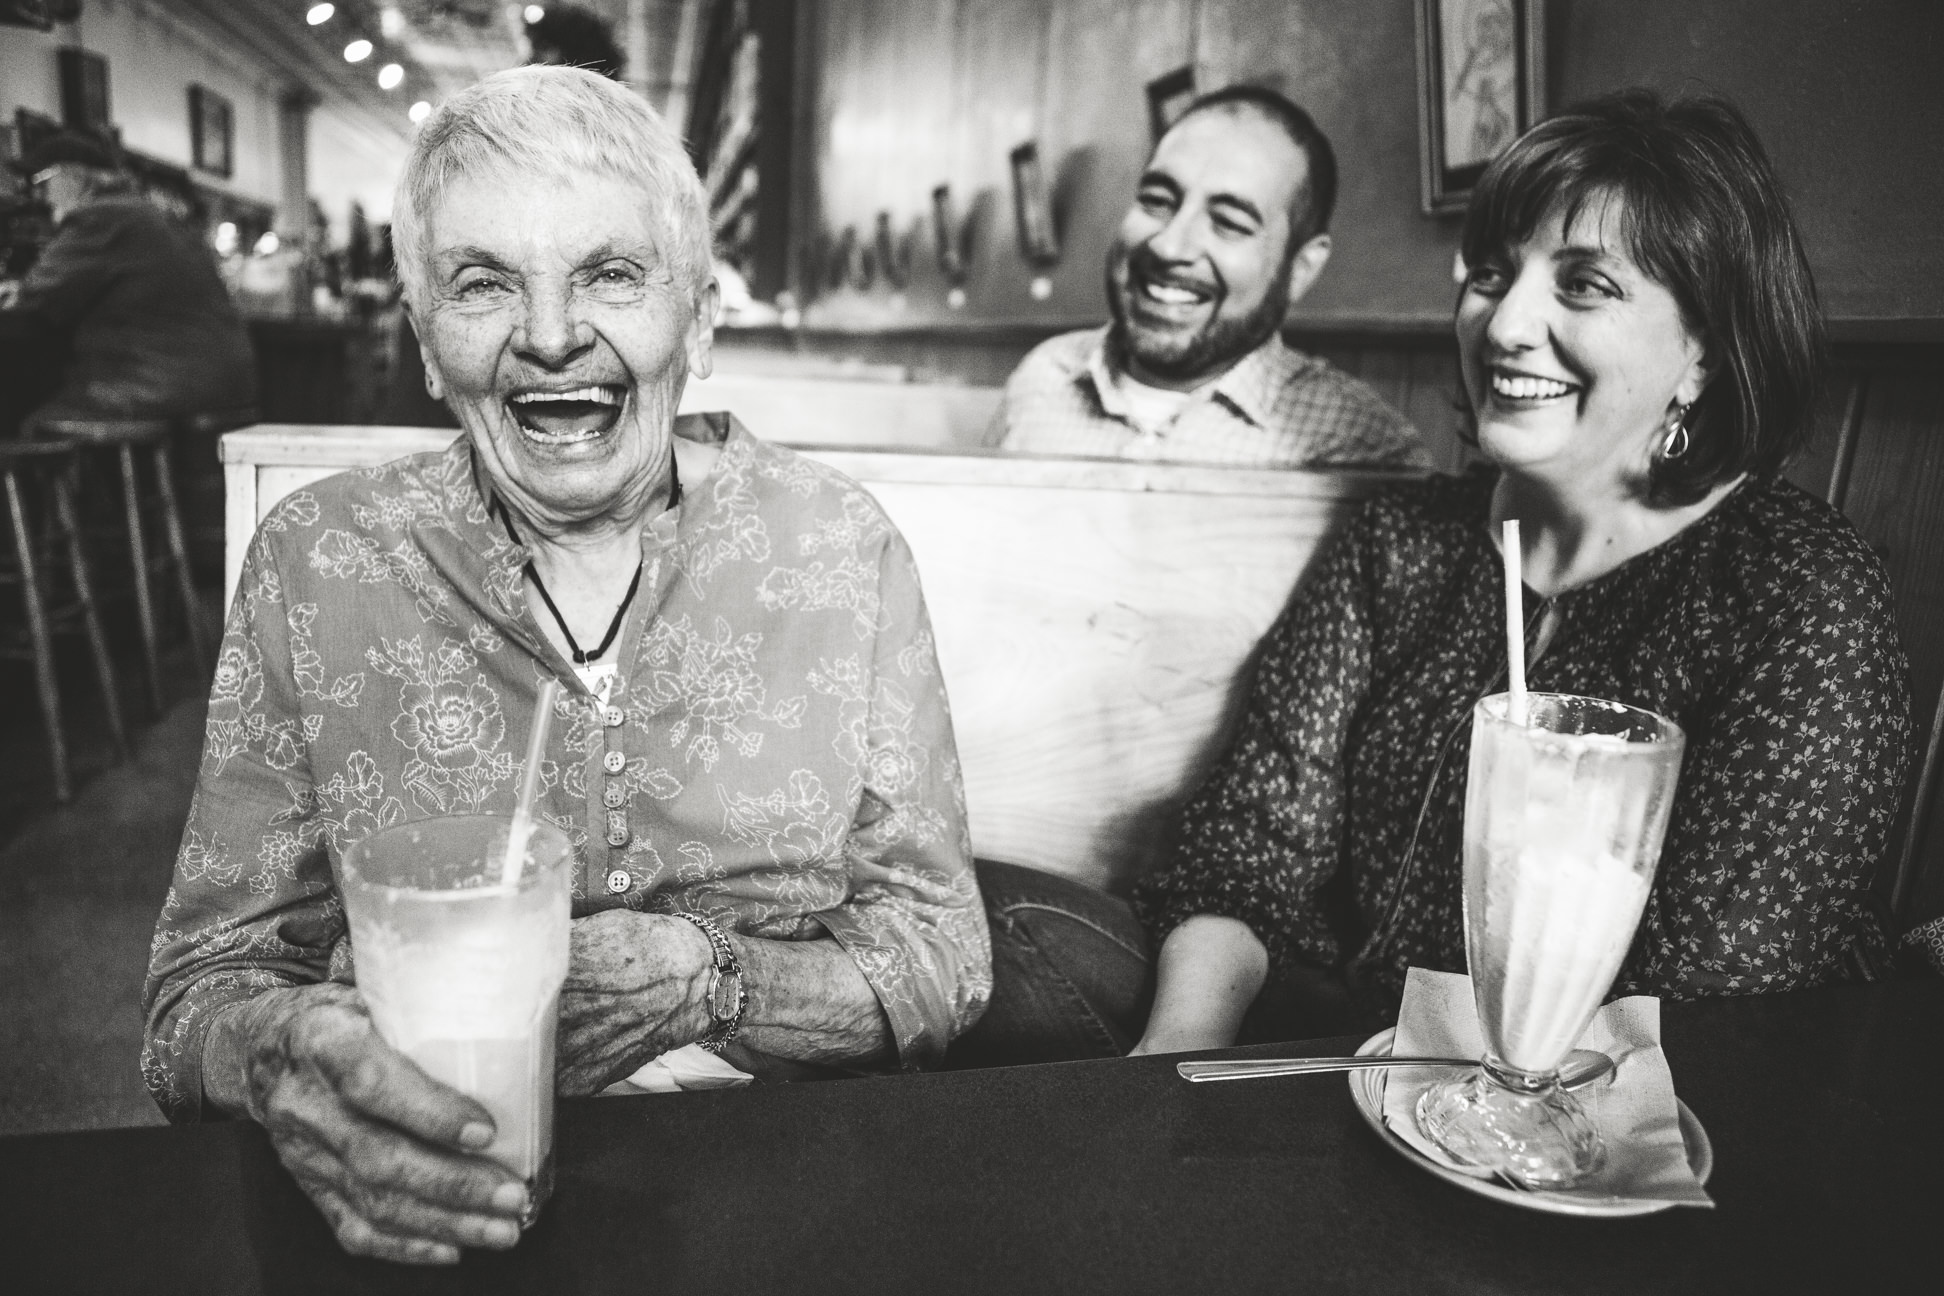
(1677, 441)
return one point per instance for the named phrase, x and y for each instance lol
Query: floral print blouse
(1332, 826)
(777, 751)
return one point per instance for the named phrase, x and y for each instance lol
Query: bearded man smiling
(1229, 228)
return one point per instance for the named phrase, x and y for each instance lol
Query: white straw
(522, 829)
(1514, 623)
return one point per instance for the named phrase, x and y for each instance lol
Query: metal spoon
(1582, 1067)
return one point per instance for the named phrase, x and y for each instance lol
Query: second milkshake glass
(1564, 819)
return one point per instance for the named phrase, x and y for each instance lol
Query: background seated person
(754, 728)
(148, 326)
(1639, 338)
(1228, 228)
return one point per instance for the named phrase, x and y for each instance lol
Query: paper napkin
(1646, 1159)
(688, 1067)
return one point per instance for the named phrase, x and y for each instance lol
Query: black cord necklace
(580, 656)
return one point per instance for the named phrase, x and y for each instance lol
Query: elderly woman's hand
(637, 986)
(387, 1153)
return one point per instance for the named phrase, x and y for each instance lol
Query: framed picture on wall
(1481, 81)
(1167, 96)
(212, 131)
(84, 90)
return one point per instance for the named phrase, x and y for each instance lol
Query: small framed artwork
(212, 131)
(84, 90)
(1039, 241)
(1167, 96)
(1481, 81)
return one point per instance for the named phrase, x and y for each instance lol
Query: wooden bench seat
(832, 411)
(1092, 618)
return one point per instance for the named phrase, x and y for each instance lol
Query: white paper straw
(1514, 623)
(522, 830)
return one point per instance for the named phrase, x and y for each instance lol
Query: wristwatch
(728, 996)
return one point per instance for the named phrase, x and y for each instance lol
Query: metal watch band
(726, 965)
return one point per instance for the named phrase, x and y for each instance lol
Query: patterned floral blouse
(1332, 827)
(777, 752)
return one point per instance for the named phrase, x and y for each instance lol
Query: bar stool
(196, 438)
(44, 465)
(125, 436)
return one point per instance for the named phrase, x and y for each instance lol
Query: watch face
(723, 994)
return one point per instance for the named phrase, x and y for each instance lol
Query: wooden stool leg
(138, 551)
(70, 522)
(30, 594)
(179, 551)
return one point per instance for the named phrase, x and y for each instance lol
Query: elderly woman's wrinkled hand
(636, 987)
(386, 1152)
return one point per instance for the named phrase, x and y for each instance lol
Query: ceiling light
(391, 21)
(534, 13)
(357, 51)
(420, 111)
(319, 13)
(389, 76)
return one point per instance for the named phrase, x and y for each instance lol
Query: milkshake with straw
(1566, 804)
(459, 933)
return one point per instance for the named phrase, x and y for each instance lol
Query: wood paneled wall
(905, 95)
(899, 96)
(1880, 459)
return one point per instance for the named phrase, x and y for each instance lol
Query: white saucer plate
(1367, 1093)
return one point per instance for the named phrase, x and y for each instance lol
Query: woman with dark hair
(1639, 339)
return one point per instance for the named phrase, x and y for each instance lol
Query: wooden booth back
(1880, 459)
(1093, 618)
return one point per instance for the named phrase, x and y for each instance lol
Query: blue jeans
(1071, 973)
(1073, 977)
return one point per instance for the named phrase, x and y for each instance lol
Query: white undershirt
(599, 678)
(1153, 409)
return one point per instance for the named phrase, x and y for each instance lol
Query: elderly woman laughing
(753, 731)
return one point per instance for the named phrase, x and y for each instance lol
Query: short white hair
(543, 123)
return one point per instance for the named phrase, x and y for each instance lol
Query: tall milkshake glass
(1564, 818)
(462, 972)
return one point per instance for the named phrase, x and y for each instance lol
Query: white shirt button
(618, 881)
(614, 762)
(613, 716)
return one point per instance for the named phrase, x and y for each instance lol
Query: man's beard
(1217, 344)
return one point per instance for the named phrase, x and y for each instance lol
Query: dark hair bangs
(1703, 215)
(1559, 175)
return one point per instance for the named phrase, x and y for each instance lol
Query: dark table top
(19, 325)
(1113, 1176)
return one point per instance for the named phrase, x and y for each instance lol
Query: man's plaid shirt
(1277, 408)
